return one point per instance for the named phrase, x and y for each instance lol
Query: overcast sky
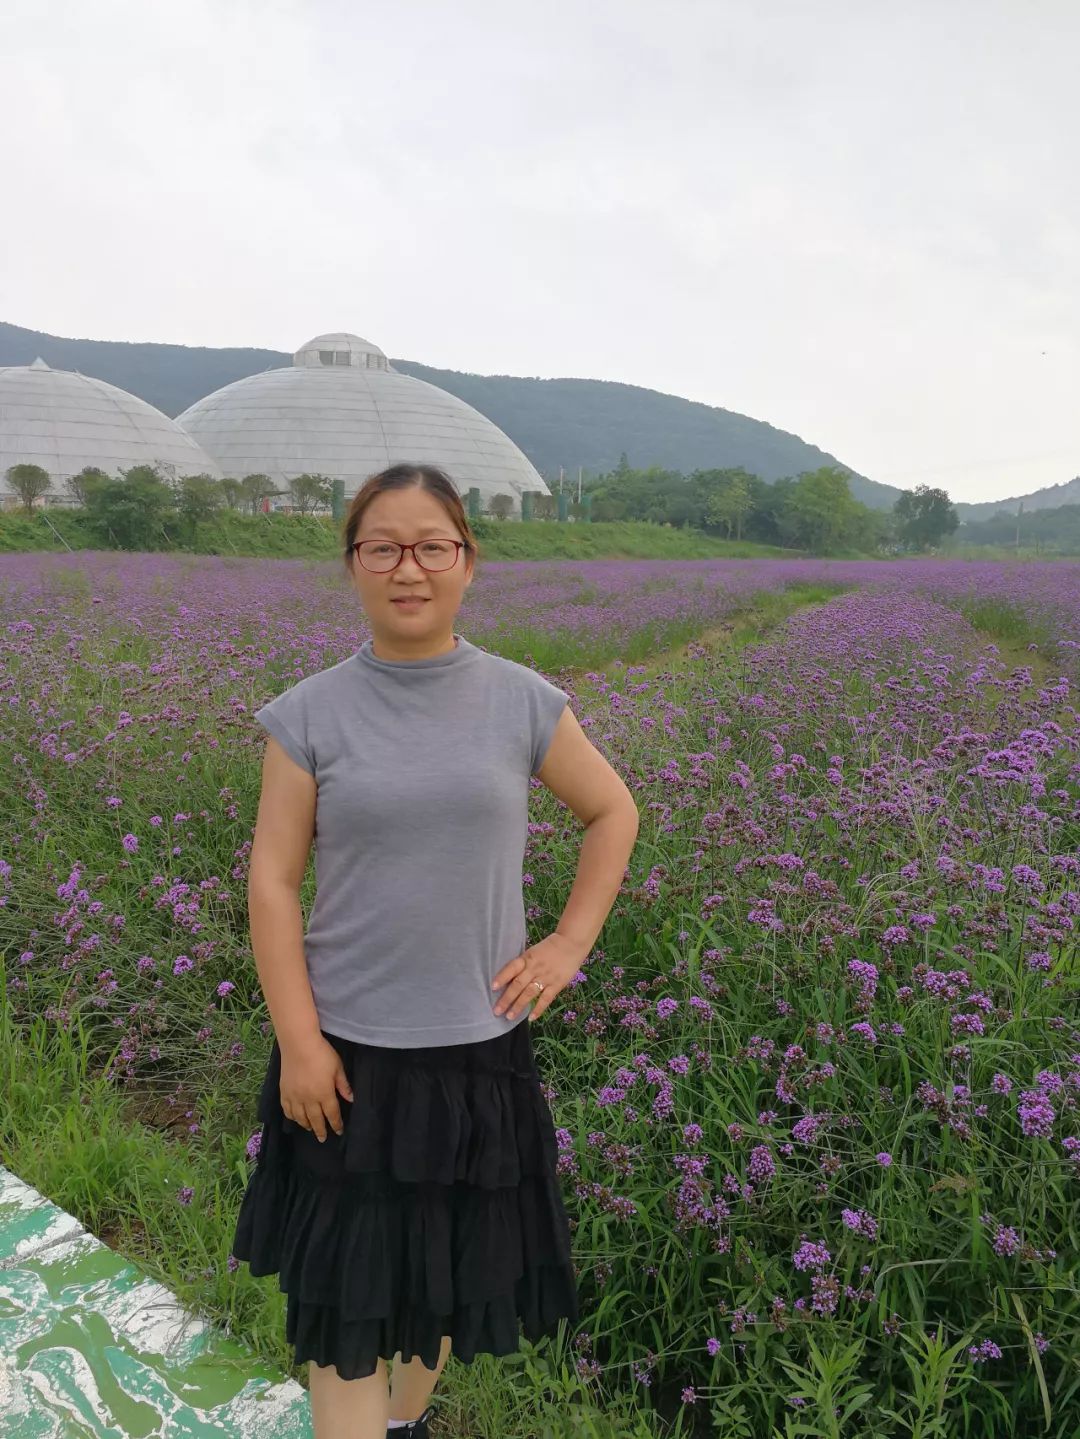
(856, 219)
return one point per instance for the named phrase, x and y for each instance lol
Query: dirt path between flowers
(753, 625)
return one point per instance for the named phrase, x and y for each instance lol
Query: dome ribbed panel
(63, 422)
(347, 424)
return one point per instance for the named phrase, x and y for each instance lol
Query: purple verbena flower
(980, 1353)
(1036, 1114)
(811, 1254)
(967, 1024)
(1006, 1241)
(805, 1130)
(762, 1166)
(826, 1292)
(860, 1222)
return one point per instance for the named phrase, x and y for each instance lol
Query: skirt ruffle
(436, 1212)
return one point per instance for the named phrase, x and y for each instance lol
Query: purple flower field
(817, 1095)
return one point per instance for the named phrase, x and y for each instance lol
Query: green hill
(1052, 497)
(170, 377)
(566, 422)
(591, 422)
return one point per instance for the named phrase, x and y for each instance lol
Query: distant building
(64, 422)
(342, 411)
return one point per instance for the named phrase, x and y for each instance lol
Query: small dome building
(64, 421)
(342, 410)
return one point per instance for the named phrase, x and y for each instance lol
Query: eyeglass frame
(459, 544)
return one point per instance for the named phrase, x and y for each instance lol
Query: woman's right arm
(284, 830)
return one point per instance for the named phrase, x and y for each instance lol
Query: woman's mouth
(409, 604)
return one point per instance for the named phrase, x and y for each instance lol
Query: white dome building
(342, 411)
(64, 421)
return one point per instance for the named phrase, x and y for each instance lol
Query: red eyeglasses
(382, 556)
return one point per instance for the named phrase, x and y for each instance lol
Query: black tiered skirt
(437, 1211)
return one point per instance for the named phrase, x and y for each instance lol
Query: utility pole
(579, 484)
(560, 479)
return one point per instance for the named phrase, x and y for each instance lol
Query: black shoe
(415, 1429)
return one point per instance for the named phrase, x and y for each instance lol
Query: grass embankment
(1004, 554)
(318, 536)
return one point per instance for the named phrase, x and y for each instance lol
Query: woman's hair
(403, 477)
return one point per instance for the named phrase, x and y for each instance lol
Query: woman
(405, 1190)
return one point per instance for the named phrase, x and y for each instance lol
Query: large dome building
(341, 410)
(64, 421)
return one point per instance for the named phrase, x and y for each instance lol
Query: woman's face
(405, 516)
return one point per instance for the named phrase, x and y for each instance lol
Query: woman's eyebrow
(384, 529)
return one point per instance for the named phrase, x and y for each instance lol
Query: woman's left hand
(554, 962)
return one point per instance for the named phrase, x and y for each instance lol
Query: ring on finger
(513, 1012)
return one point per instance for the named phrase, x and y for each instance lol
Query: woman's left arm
(578, 774)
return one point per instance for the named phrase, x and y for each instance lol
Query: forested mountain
(1047, 531)
(567, 422)
(170, 377)
(591, 422)
(1050, 498)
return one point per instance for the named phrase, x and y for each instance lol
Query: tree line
(1054, 531)
(814, 511)
(130, 510)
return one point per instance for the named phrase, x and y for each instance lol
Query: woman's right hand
(312, 1076)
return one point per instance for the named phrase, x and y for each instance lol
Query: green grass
(1005, 622)
(303, 536)
(1005, 553)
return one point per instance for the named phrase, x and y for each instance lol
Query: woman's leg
(348, 1408)
(411, 1384)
